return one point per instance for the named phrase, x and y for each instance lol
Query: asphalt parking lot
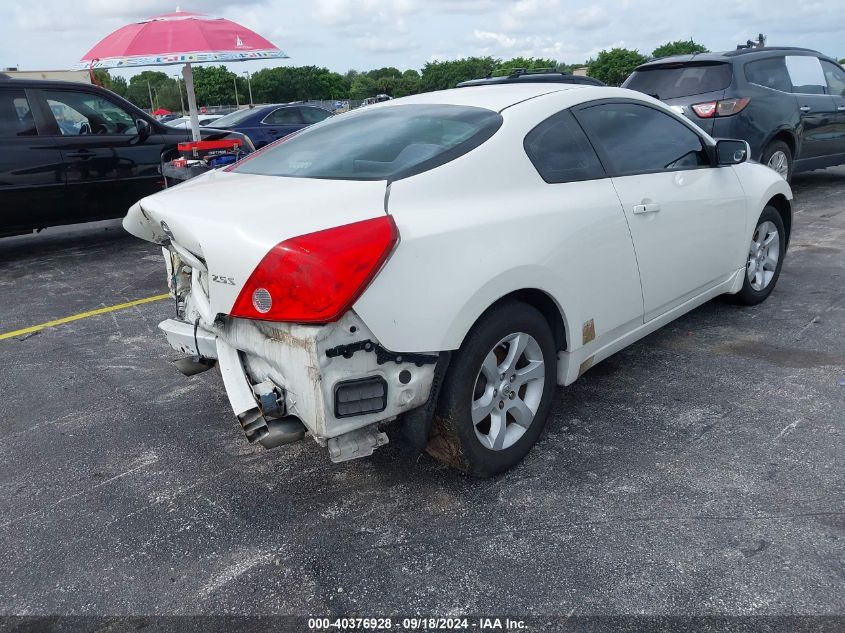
(697, 472)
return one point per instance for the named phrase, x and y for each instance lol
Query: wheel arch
(784, 209)
(787, 136)
(543, 303)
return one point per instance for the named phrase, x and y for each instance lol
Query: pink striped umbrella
(180, 38)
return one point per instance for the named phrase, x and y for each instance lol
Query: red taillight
(315, 278)
(725, 107)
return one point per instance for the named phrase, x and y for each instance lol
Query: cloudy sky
(363, 34)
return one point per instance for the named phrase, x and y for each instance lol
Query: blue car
(264, 124)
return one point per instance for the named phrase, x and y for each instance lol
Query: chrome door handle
(804, 108)
(653, 207)
(840, 109)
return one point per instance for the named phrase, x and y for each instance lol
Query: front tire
(497, 393)
(765, 258)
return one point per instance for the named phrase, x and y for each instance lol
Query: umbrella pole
(188, 77)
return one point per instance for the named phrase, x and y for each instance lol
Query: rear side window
(635, 138)
(283, 116)
(770, 73)
(385, 143)
(561, 152)
(313, 115)
(680, 80)
(15, 114)
(806, 75)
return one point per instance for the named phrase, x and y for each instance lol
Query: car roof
(7, 81)
(521, 76)
(492, 97)
(746, 54)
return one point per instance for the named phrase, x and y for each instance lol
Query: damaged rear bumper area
(284, 380)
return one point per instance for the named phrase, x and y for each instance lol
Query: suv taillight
(315, 278)
(725, 107)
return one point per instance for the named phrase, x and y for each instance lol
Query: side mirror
(144, 129)
(732, 152)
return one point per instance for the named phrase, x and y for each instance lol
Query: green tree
(214, 85)
(117, 85)
(409, 84)
(442, 75)
(362, 88)
(298, 83)
(679, 47)
(138, 91)
(613, 66)
(842, 61)
(529, 63)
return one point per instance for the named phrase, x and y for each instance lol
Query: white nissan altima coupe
(442, 261)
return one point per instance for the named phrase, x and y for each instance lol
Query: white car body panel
(694, 240)
(472, 231)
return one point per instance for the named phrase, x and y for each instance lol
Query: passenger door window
(769, 73)
(806, 75)
(82, 113)
(635, 138)
(835, 77)
(15, 114)
(560, 151)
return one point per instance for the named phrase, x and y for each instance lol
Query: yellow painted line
(82, 315)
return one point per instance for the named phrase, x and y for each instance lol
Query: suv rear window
(386, 143)
(680, 80)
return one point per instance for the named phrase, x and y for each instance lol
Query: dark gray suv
(788, 103)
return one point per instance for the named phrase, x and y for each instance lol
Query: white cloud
(363, 34)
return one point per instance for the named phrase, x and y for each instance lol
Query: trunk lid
(229, 221)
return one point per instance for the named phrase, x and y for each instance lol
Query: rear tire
(778, 156)
(497, 393)
(765, 258)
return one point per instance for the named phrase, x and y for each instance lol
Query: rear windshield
(680, 80)
(233, 118)
(386, 143)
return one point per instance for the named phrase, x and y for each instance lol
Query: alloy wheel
(508, 391)
(779, 163)
(763, 255)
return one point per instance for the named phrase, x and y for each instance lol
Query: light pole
(179, 88)
(150, 91)
(235, 81)
(249, 85)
